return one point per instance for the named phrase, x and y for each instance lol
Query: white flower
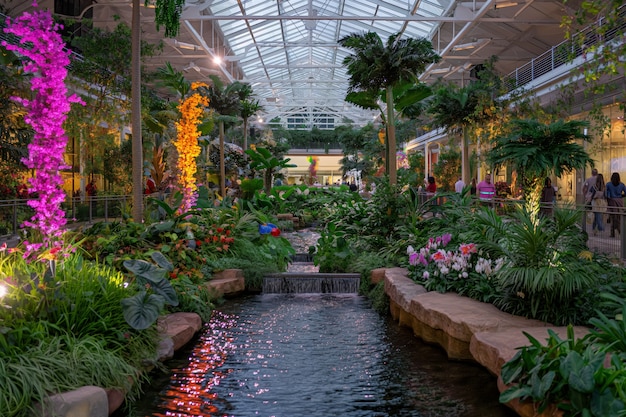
(465, 274)
(425, 275)
(410, 250)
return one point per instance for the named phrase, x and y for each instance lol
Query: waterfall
(315, 282)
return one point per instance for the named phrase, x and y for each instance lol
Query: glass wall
(607, 149)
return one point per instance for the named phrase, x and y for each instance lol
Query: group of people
(485, 190)
(601, 197)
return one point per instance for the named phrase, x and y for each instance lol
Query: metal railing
(565, 52)
(599, 242)
(77, 210)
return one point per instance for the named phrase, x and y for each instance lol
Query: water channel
(296, 355)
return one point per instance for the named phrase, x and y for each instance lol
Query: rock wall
(466, 329)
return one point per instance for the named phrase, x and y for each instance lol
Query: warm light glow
(260, 120)
(504, 4)
(440, 70)
(217, 60)
(3, 290)
(464, 46)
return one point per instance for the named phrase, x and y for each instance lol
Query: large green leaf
(606, 404)
(164, 289)
(145, 270)
(141, 310)
(162, 261)
(513, 393)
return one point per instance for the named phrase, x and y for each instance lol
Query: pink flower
(46, 60)
(467, 248)
(439, 256)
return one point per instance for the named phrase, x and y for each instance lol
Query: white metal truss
(287, 50)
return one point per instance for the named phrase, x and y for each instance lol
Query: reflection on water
(296, 355)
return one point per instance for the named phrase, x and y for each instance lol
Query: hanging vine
(167, 14)
(191, 110)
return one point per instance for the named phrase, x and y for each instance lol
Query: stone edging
(467, 329)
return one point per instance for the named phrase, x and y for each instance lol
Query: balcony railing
(565, 52)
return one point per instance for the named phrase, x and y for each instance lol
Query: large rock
(180, 327)
(492, 349)
(467, 329)
(86, 401)
(227, 282)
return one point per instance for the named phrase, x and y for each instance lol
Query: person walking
(589, 182)
(459, 185)
(598, 204)
(431, 187)
(615, 192)
(486, 190)
(547, 198)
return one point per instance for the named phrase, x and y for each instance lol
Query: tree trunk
(245, 136)
(465, 165)
(222, 163)
(269, 174)
(391, 139)
(137, 159)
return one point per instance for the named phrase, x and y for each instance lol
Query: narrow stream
(297, 355)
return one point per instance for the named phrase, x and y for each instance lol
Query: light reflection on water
(296, 355)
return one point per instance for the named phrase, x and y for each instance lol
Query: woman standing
(598, 203)
(615, 192)
(547, 198)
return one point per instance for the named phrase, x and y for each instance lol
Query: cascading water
(313, 282)
(315, 355)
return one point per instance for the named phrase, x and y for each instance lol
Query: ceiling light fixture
(192, 66)
(465, 46)
(440, 70)
(503, 4)
(183, 45)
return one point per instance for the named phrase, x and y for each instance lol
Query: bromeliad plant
(462, 270)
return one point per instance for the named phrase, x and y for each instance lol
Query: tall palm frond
(534, 150)
(173, 79)
(374, 66)
(225, 101)
(249, 107)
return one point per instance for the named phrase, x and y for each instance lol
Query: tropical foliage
(535, 150)
(374, 67)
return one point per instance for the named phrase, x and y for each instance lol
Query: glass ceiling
(287, 50)
(291, 57)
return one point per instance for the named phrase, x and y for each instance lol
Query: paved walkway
(301, 240)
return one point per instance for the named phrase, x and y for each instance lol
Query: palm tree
(263, 159)
(249, 107)
(460, 109)
(224, 99)
(167, 14)
(535, 150)
(456, 109)
(375, 66)
(15, 134)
